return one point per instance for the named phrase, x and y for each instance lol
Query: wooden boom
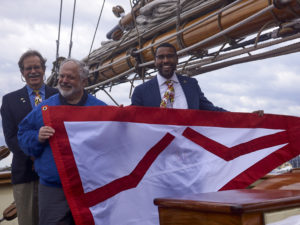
(268, 13)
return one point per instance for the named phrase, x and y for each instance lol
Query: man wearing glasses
(15, 106)
(168, 89)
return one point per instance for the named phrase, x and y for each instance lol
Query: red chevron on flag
(114, 161)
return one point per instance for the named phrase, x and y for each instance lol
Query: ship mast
(208, 35)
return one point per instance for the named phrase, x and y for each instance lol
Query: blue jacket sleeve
(205, 104)
(136, 98)
(28, 133)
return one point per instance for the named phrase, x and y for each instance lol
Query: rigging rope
(100, 15)
(152, 16)
(71, 43)
(58, 38)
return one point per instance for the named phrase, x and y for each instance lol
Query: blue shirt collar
(42, 90)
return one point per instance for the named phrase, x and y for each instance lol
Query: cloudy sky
(272, 84)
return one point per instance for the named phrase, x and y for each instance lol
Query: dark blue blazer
(148, 94)
(15, 106)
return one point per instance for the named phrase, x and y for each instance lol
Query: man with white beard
(33, 137)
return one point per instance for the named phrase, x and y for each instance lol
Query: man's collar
(30, 90)
(161, 80)
(80, 103)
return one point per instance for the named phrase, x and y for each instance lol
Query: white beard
(69, 93)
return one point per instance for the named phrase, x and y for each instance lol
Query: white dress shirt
(179, 97)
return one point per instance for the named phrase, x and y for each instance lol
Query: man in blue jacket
(33, 137)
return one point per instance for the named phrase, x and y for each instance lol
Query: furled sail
(206, 34)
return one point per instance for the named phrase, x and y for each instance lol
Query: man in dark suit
(186, 91)
(15, 106)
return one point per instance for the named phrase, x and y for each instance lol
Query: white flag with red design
(114, 161)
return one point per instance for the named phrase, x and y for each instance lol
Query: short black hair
(31, 53)
(165, 44)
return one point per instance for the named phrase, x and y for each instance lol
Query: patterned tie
(37, 98)
(168, 96)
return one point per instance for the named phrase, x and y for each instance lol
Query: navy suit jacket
(148, 94)
(15, 106)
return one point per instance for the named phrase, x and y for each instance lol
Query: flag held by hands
(113, 161)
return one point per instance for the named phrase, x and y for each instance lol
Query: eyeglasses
(168, 56)
(32, 67)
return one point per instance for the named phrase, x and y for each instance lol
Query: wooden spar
(125, 22)
(123, 62)
(127, 19)
(4, 152)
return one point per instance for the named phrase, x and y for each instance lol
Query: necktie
(168, 96)
(37, 98)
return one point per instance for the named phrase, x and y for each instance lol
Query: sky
(271, 84)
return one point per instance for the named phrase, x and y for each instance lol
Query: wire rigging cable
(99, 18)
(71, 43)
(58, 38)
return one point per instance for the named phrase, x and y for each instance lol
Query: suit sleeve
(28, 133)
(10, 127)
(205, 104)
(136, 98)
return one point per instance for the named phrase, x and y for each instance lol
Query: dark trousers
(53, 207)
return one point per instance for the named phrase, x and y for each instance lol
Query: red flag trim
(238, 150)
(133, 179)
